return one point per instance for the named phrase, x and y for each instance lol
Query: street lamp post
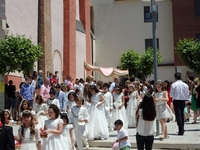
(154, 11)
(2, 35)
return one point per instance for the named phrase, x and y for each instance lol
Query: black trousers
(144, 140)
(179, 106)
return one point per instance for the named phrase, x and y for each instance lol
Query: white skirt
(41, 120)
(98, 125)
(54, 142)
(28, 146)
(120, 114)
(163, 111)
(130, 112)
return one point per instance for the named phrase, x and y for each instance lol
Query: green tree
(18, 53)
(189, 51)
(139, 65)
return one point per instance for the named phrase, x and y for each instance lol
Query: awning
(107, 72)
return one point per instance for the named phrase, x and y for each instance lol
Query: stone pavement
(190, 140)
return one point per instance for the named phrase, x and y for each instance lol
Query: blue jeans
(11, 102)
(144, 140)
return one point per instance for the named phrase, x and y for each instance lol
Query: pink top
(70, 85)
(44, 91)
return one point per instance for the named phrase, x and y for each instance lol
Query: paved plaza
(190, 140)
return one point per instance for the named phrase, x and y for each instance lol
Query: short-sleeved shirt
(121, 134)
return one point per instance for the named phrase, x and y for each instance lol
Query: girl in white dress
(53, 128)
(162, 109)
(8, 120)
(71, 97)
(86, 102)
(28, 134)
(97, 126)
(25, 105)
(68, 132)
(119, 111)
(132, 105)
(41, 111)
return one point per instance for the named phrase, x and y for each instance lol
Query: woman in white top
(163, 111)
(146, 124)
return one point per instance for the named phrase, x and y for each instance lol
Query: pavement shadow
(192, 130)
(190, 123)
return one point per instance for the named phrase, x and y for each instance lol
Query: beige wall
(57, 35)
(22, 18)
(120, 25)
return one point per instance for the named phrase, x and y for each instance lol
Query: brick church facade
(62, 27)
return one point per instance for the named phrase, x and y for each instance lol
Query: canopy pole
(99, 75)
(128, 76)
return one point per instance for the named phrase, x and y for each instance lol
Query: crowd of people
(62, 116)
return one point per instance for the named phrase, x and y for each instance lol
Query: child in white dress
(132, 105)
(41, 110)
(25, 105)
(53, 128)
(8, 120)
(86, 103)
(28, 134)
(71, 97)
(79, 117)
(67, 132)
(98, 126)
(108, 105)
(163, 111)
(119, 111)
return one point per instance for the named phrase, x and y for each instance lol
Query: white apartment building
(122, 24)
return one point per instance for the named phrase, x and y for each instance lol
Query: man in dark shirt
(11, 93)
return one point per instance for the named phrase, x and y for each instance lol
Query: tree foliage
(18, 53)
(139, 65)
(189, 51)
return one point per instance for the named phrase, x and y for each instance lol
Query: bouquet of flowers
(115, 145)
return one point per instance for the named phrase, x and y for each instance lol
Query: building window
(149, 43)
(148, 15)
(197, 7)
(198, 36)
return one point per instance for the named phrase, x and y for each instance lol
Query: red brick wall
(84, 6)
(69, 49)
(45, 36)
(185, 23)
(16, 80)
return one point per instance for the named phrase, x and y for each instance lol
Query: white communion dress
(66, 135)
(54, 141)
(97, 126)
(119, 113)
(131, 109)
(29, 142)
(43, 108)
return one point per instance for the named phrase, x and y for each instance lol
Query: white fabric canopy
(107, 72)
